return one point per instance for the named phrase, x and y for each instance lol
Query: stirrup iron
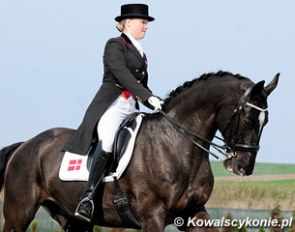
(77, 214)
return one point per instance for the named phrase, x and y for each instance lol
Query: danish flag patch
(75, 164)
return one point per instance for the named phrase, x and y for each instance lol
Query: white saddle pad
(74, 166)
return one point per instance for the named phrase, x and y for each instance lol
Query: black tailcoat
(124, 69)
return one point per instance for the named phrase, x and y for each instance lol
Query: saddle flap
(123, 136)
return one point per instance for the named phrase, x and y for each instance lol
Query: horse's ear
(257, 89)
(272, 85)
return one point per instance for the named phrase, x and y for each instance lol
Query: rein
(192, 137)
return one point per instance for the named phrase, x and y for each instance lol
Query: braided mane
(203, 77)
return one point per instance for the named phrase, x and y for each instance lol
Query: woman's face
(136, 27)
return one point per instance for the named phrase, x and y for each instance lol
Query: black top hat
(134, 11)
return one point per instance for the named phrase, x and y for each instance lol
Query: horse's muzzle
(232, 165)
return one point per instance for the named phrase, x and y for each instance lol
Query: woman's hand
(156, 102)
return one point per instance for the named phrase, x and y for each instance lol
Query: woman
(124, 84)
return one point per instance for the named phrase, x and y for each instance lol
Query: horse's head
(243, 130)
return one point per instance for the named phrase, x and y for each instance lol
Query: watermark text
(237, 223)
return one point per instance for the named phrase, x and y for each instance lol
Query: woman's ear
(128, 23)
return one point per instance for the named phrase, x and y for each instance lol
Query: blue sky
(51, 58)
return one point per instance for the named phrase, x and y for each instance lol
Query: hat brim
(130, 16)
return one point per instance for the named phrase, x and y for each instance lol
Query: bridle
(231, 144)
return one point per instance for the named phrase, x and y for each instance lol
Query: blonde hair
(121, 25)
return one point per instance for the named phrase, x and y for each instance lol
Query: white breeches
(112, 119)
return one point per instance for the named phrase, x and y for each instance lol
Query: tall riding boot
(98, 168)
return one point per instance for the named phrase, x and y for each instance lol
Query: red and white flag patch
(75, 164)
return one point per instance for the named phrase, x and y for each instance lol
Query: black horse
(169, 175)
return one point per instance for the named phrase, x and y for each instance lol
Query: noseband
(231, 145)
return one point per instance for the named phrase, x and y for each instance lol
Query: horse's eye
(247, 123)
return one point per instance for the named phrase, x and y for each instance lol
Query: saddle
(122, 138)
(75, 167)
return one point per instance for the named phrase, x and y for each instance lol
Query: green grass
(259, 194)
(270, 168)
(259, 169)
(253, 194)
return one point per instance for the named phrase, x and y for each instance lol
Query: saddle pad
(74, 166)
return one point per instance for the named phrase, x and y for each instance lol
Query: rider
(124, 84)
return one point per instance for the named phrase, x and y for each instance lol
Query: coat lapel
(133, 49)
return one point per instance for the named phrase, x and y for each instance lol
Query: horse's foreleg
(200, 222)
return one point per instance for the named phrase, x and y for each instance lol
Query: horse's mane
(203, 77)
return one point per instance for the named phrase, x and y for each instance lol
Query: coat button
(143, 73)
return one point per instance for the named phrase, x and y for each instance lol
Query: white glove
(156, 103)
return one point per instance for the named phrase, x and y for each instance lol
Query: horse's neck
(198, 106)
(197, 113)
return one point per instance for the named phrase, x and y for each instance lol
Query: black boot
(98, 168)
